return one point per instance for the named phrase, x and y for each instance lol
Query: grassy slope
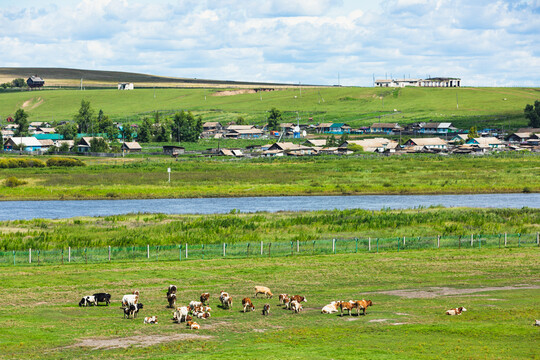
(159, 229)
(356, 106)
(498, 324)
(147, 178)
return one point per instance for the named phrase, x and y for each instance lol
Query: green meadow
(40, 319)
(465, 107)
(141, 177)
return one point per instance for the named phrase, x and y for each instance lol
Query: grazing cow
(204, 298)
(171, 298)
(287, 303)
(226, 300)
(296, 306)
(298, 299)
(247, 304)
(171, 289)
(129, 311)
(348, 305)
(103, 297)
(456, 311)
(362, 304)
(181, 314)
(130, 299)
(330, 308)
(266, 309)
(150, 320)
(88, 300)
(282, 298)
(263, 290)
(193, 325)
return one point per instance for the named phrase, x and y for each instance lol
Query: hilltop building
(125, 86)
(35, 82)
(431, 82)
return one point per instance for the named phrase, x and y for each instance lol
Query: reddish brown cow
(362, 304)
(247, 304)
(205, 297)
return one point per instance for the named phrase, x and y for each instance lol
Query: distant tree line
(15, 83)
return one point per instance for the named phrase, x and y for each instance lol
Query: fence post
(297, 246)
(38, 257)
(519, 240)
(85, 256)
(504, 239)
(377, 244)
(291, 247)
(398, 241)
(369, 243)
(180, 252)
(147, 251)
(69, 254)
(261, 247)
(247, 250)
(404, 242)
(356, 239)
(538, 239)
(203, 250)
(313, 251)
(186, 251)
(334, 246)
(269, 246)
(223, 249)
(13, 257)
(62, 256)
(109, 253)
(459, 242)
(479, 241)
(438, 241)
(30, 255)
(472, 240)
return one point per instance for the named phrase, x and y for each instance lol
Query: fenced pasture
(410, 290)
(186, 252)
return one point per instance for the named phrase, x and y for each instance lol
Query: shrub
(20, 163)
(63, 161)
(13, 182)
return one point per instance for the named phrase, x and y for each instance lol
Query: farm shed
(35, 82)
(131, 146)
(173, 150)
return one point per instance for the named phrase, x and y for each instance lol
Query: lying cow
(88, 300)
(193, 325)
(330, 308)
(456, 311)
(103, 297)
(263, 290)
(204, 298)
(247, 304)
(150, 320)
(171, 298)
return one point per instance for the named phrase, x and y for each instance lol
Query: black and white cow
(103, 297)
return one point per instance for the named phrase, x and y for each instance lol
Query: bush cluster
(14, 182)
(20, 163)
(64, 161)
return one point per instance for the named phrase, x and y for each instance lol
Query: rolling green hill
(483, 107)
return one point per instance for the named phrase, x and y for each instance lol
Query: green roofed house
(333, 128)
(53, 137)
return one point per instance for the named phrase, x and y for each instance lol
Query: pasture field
(40, 319)
(464, 107)
(140, 177)
(141, 230)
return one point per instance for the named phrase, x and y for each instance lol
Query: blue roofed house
(437, 128)
(333, 128)
(387, 128)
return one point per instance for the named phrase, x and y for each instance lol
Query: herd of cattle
(201, 310)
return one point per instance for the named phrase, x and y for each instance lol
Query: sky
(323, 42)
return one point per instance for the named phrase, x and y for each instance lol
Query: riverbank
(147, 178)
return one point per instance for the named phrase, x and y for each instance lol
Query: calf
(204, 298)
(456, 311)
(193, 325)
(263, 290)
(88, 300)
(171, 298)
(150, 320)
(129, 311)
(226, 300)
(348, 305)
(282, 298)
(362, 304)
(296, 306)
(247, 304)
(103, 297)
(266, 309)
(138, 307)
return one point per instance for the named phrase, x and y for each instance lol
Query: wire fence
(186, 252)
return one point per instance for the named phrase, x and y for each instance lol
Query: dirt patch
(137, 341)
(234, 92)
(33, 102)
(434, 292)
(377, 320)
(398, 324)
(402, 314)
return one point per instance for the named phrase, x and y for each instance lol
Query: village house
(373, 145)
(486, 142)
(230, 152)
(252, 133)
(289, 148)
(84, 143)
(333, 128)
(29, 143)
(437, 128)
(35, 82)
(419, 144)
(315, 142)
(386, 128)
(131, 146)
(459, 138)
(430, 82)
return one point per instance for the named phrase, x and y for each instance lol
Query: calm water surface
(16, 210)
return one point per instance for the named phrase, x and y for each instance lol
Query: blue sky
(486, 43)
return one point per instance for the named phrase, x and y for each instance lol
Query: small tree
(185, 127)
(344, 137)
(64, 147)
(19, 82)
(21, 119)
(240, 120)
(274, 118)
(98, 145)
(355, 148)
(144, 135)
(331, 141)
(68, 130)
(533, 114)
(473, 133)
(163, 133)
(126, 134)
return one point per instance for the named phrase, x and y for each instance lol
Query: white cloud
(482, 41)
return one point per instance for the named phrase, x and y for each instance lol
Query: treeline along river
(56, 209)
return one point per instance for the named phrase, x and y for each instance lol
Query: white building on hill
(431, 82)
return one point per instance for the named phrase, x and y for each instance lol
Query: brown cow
(282, 298)
(204, 298)
(362, 304)
(266, 309)
(298, 298)
(456, 311)
(247, 304)
(348, 305)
